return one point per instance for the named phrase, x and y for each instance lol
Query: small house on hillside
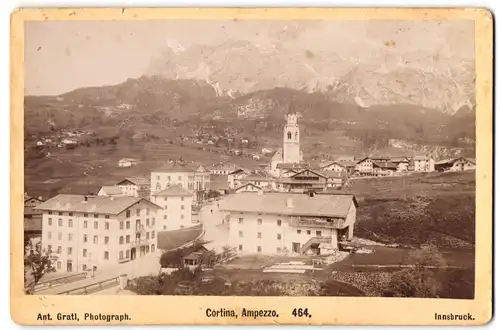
(127, 162)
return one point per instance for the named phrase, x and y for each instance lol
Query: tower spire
(291, 107)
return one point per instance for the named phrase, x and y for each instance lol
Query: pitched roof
(218, 182)
(248, 184)
(333, 174)
(173, 190)
(111, 190)
(333, 205)
(98, 204)
(137, 180)
(389, 165)
(278, 155)
(259, 176)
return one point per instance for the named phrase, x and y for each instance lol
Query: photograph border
(191, 310)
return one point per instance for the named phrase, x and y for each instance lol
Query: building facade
(176, 208)
(86, 233)
(288, 223)
(135, 186)
(194, 179)
(455, 165)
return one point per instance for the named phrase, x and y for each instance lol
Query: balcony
(334, 223)
(139, 242)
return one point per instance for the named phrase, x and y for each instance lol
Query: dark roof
(173, 190)
(389, 165)
(259, 176)
(174, 239)
(333, 205)
(98, 204)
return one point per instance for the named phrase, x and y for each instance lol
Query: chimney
(40, 198)
(289, 203)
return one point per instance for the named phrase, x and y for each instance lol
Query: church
(290, 156)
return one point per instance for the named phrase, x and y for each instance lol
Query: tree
(422, 281)
(37, 263)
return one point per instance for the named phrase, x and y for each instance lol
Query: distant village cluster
(288, 206)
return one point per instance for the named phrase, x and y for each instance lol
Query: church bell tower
(291, 137)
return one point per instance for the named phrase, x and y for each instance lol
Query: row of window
(137, 223)
(85, 223)
(278, 236)
(137, 212)
(259, 235)
(259, 248)
(85, 215)
(259, 221)
(106, 224)
(165, 217)
(137, 237)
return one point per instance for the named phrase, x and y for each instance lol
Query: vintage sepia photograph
(250, 157)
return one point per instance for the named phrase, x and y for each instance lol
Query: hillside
(164, 108)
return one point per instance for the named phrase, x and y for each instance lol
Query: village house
(308, 179)
(176, 206)
(32, 219)
(135, 186)
(421, 164)
(223, 169)
(296, 223)
(455, 164)
(110, 191)
(196, 180)
(364, 167)
(382, 168)
(260, 179)
(402, 163)
(235, 176)
(127, 162)
(86, 232)
(198, 257)
(334, 166)
(248, 187)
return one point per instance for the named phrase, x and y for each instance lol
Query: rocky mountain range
(238, 68)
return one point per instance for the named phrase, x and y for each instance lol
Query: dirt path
(88, 167)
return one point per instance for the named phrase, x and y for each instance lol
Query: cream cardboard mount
(251, 166)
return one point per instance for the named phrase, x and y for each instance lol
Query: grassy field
(433, 208)
(85, 169)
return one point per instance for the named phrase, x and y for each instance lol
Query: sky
(61, 56)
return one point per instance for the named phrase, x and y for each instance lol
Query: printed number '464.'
(299, 312)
